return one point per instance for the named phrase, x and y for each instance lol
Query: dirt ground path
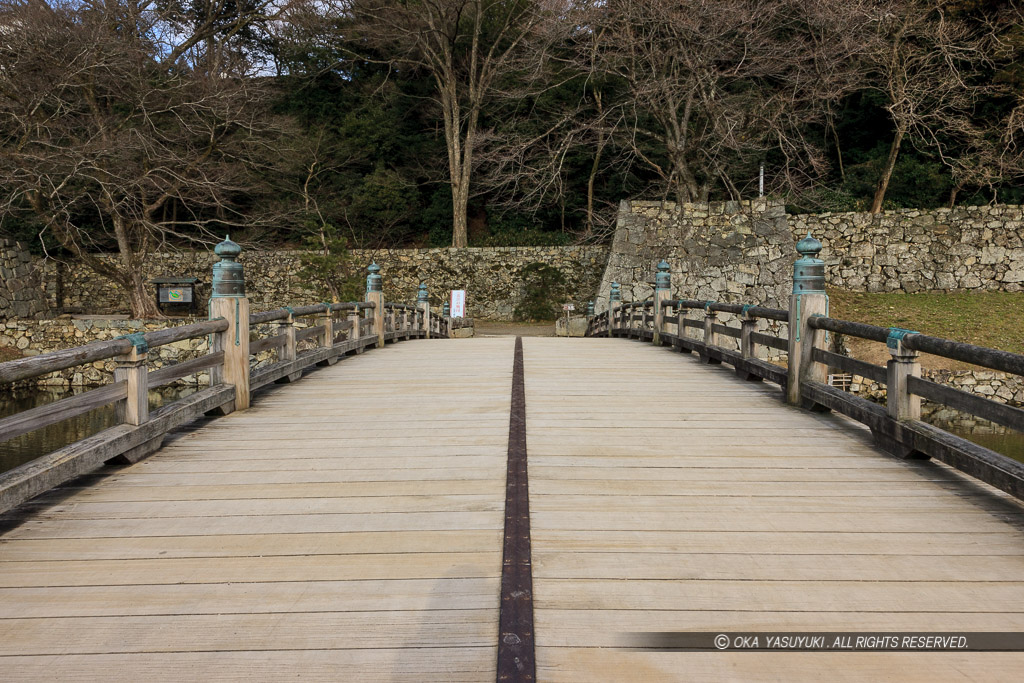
(498, 328)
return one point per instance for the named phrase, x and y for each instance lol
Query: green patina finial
(616, 293)
(808, 246)
(374, 282)
(663, 279)
(808, 270)
(421, 294)
(228, 276)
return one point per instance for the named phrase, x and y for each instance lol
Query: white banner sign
(458, 303)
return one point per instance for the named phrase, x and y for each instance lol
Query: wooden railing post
(327, 336)
(662, 287)
(355, 331)
(901, 404)
(748, 348)
(132, 369)
(375, 295)
(423, 301)
(710, 336)
(229, 301)
(288, 351)
(614, 306)
(286, 328)
(808, 299)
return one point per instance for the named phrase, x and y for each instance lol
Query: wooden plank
(382, 595)
(261, 345)
(309, 333)
(251, 568)
(394, 665)
(216, 491)
(34, 366)
(273, 506)
(567, 665)
(296, 630)
(852, 365)
(1008, 416)
(264, 545)
(769, 340)
(169, 373)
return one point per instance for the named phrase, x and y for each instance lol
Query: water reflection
(27, 447)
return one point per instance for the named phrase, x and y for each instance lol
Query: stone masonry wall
(491, 277)
(32, 337)
(743, 251)
(21, 295)
(722, 251)
(970, 247)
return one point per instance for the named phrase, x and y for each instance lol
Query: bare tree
(122, 125)
(464, 45)
(925, 64)
(713, 86)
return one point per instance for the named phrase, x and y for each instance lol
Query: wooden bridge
(469, 509)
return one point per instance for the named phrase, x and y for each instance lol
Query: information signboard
(176, 295)
(458, 303)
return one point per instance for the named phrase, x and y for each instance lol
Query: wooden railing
(896, 426)
(320, 334)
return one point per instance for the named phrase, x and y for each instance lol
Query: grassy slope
(993, 319)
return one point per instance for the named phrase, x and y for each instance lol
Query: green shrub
(543, 289)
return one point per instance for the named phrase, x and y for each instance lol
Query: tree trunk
(141, 298)
(953, 193)
(890, 163)
(460, 207)
(590, 182)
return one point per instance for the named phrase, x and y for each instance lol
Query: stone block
(575, 327)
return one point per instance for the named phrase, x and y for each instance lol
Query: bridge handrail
(896, 426)
(232, 378)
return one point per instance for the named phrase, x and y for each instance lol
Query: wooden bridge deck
(349, 527)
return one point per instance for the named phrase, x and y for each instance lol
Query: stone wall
(21, 294)
(995, 386)
(743, 251)
(969, 247)
(491, 277)
(722, 251)
(32, 337)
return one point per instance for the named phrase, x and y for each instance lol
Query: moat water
(27, 447)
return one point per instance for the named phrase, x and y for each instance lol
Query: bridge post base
(130, 457)
(807, 404)
(327, 362)
(288, 379)
(747, 376)
(894, 447)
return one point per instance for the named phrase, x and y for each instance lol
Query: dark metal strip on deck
(516, 660)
